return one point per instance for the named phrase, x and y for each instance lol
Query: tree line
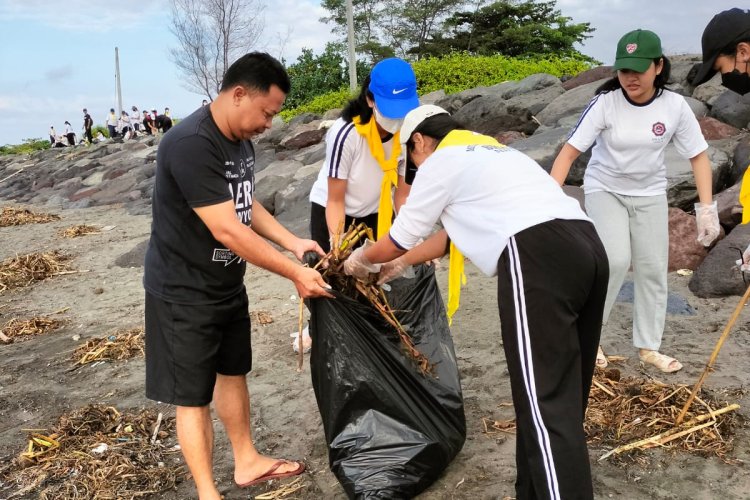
(212, 33)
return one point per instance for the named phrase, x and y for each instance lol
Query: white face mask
(391, 125)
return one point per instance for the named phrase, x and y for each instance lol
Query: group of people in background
(127, 126)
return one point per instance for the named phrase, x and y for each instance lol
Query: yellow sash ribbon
(456, 275)
(389, 166)
(745, 196)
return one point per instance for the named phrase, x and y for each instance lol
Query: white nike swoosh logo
(398, 91)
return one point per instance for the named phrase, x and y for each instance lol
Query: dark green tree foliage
(312, 75)
(386, 28)
(510, 28)
(367, 14)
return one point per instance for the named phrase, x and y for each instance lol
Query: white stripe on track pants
(552, 284)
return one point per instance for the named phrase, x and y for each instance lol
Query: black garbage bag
(391, 430)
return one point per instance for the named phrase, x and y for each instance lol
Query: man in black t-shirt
(206, 224)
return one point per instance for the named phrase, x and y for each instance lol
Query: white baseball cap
(416, 116)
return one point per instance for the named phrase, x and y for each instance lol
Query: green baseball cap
(637, 50)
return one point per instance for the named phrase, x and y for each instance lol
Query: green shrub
(460, 71)
(457, 72)
(320, 104)
(28, 146)
(99, 128)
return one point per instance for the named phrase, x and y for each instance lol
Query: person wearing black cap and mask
(726, 49)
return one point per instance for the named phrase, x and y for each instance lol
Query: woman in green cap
(630, 121)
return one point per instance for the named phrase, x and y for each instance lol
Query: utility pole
(350, 39)
(117, 82)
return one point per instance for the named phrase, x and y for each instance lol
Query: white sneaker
(306, 340)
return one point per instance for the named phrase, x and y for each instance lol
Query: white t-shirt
(483, 195)
(135, 116)
(348, 157)
(628, 157)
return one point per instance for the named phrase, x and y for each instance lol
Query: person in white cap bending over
(503, 211)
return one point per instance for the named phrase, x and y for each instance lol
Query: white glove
(357, 264)
(394, 269)
(745, 262)
(707, 218)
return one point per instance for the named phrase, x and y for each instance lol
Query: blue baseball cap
(394, 86)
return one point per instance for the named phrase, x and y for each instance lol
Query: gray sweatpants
(634, 229)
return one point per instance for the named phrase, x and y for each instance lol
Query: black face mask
(736, 81)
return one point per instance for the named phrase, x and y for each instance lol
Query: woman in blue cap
(363, 155)
(630, 121)
(363, 158)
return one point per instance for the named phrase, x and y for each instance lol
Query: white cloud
(84, 15)
(300, 20)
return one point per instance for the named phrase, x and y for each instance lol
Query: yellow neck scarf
(389, 166)
(456, 276)
(745, 196)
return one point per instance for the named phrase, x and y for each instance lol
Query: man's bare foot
(269, 467)
(209, 494)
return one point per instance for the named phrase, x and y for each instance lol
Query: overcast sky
(58, 57)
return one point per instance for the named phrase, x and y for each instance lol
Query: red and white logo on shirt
(631, 47)
(658, 129)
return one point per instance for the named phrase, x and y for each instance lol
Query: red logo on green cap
(631, 47)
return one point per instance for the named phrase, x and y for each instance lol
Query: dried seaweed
(97, 452)
(123, 344)
(20, 329)
(630, 414)
(12, 216)
(23, 270)
(79, 230)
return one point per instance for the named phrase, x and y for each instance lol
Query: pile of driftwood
(18, 329)
(78, 230)
(23, 270)
(332, 269)
(123, 344)
(630, 414)
(97, 452)
(11, 216)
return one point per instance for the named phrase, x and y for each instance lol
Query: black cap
(725, 29)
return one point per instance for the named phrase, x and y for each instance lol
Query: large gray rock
(681, 190)
(543, 148)
(294, 195)
(267, 188)
(532, 83)
(432, 97)
(718, 275)
(571, 102)
(698, 107)
(536, 100)
(453, 102)
(681, 67)
(134, 257)
(732, 108)
(283, 168)
(741, 158)
(588, 76)
(728, 205)
(490, 115)
(709, 91)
